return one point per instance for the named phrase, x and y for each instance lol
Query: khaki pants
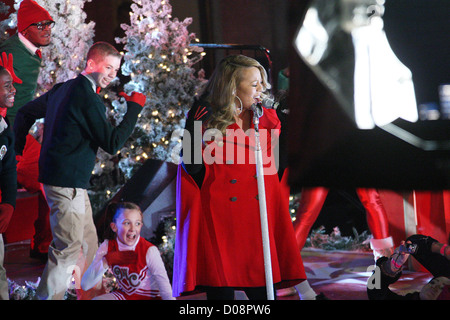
(4, 292)
(74, 242)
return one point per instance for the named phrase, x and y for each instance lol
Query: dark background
(326, 148)
(248, 22)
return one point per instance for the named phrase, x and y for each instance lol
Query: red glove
(18, 158)
(137, 97)
(6, 211)
(121, 257)
(8, 65)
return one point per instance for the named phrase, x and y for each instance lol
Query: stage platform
(339, 275)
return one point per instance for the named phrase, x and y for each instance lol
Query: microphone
(269, 103)
(257, 110)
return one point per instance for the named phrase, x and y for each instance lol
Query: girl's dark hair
(112, 211)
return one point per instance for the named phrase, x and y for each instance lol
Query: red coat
(219, 241)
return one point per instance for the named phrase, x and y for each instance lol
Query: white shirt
(91, 80)
(27, 43)
(3, 124)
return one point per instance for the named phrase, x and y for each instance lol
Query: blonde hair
(221, 88)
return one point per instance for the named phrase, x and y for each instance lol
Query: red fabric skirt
(219, 239)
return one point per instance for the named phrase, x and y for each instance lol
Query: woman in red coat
(219, 243)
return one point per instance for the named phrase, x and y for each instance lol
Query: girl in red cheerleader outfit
(135, 262)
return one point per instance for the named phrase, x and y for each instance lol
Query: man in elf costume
(8, 178)
(34, 25)
(34, 29)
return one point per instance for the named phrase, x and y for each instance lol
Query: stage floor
(339, 275)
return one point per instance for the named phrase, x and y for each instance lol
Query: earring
(239, 110)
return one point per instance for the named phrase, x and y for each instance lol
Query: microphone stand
(262, 205)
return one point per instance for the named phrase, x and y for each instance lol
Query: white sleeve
(97, 268)
(158, 272)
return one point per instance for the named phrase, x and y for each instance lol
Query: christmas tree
(158, 59)
(6, 23)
